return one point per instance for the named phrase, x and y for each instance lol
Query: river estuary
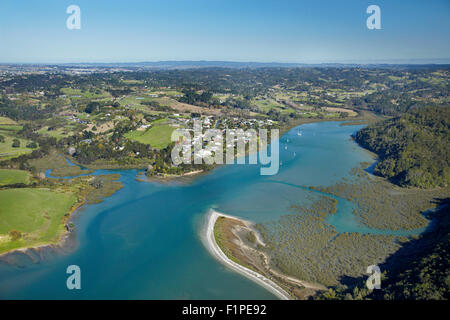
(144, 242)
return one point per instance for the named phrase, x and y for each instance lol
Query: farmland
(11, 176)
(32, 216)
(158, 136)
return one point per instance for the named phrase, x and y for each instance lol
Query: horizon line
(418, 61)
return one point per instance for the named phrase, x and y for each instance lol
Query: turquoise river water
(144, 242)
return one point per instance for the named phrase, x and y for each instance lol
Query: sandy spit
(211, 244)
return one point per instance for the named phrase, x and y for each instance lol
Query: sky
(302, 31)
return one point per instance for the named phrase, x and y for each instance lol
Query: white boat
(299, 133)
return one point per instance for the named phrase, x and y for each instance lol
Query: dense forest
(414, 148)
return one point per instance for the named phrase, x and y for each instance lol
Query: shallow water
(144, 241)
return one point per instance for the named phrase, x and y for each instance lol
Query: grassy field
(78, 94)
(7, 121)
(10, 127)
(7, 151)
(158, 136)
(10, 176)
(132, 81)
(37, 213)
(137, 102)
(349, 112)
(266, 105)
(133, 100)
(57, 133)
(167, 92)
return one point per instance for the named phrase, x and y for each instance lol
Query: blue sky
(245, 30)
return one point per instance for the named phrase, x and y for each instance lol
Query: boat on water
(299, 133)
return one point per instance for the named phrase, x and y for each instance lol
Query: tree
(206, 96)
(16, 143)
(15, 235)
(92, 107)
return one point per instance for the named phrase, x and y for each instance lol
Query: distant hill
(187, 64)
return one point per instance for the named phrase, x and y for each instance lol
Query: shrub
(16, 143)
(15, 235)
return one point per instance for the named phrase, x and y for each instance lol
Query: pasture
(36, 214)
(11, 176)
(158, 136)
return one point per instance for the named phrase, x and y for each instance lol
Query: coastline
(60, 243)
(185, 177)
(192, 175)
(216, 252)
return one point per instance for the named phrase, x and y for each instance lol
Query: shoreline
(61, 242)
(192, 175)
(189, 176)
(217, 253)
(198, 173)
